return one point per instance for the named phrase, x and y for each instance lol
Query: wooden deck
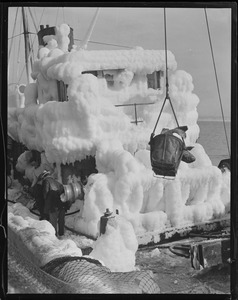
(182, 232)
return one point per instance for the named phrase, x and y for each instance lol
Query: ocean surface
(213, 139)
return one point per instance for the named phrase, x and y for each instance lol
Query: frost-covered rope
(218, 90)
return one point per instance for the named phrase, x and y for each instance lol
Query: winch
(73, 191)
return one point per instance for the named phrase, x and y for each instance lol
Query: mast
(27, 45)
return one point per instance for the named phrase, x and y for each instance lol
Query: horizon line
(214, 119)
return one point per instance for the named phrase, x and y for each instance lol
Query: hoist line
(166, 57)
(167, 80)
(218, 90)
(167, 97)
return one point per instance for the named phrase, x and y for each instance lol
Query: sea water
(213, 139)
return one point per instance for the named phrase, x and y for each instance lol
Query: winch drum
(74, 191)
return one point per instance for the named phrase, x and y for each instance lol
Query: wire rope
(167, 97)
(102, 43)
(63, 14)
(218, 89)
(13, 31)
(18, 58)
(57, 16)
(35, 15)
(31, 49)
(12, 37)
(36, 28)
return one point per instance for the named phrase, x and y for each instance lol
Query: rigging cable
(218, 90)
(167, 97)
(18, 58)
(63, 14)
(31, 49)
(35, 16)
(12, 37)
(31, 55)
(14, 27)
(33, 19)
(233, 258)
(57, 16)
(108, 44)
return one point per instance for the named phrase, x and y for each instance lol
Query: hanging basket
(166, 154)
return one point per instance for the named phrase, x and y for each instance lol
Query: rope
(14, 27)
(108, 44)
(167, 97)
(11, 201)
(57, 16)
(36, 28)
(79, 233)
(68, 214)
(63, 14)
(35, 15)
(31, 49)
(218, 90)
(12, 37)
(36, 214)
(166, 59)
(19, 47)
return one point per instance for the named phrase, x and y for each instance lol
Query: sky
(187, 38)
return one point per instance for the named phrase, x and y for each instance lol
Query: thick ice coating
(38, 236)
(117, 247)
(90, 122)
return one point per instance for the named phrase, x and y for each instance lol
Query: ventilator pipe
(104, 219)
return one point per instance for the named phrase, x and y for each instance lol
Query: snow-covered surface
(39, 236)
(117, 247)
(90, 124)
(199, 193)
